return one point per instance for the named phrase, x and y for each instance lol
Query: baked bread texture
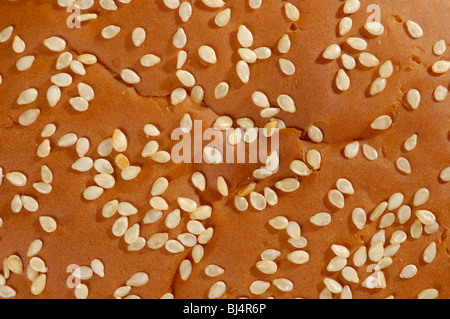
(354, 202)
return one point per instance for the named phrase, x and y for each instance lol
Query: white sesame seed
(336, 198)
(48, 224)
(137, 280)
(408, 271)
(174, 246)
(440, 47)
(403, 165)
(357, 43)
(414, 29)
(263, 53)
(284, 44)
(345, 25)
(28, 96)
(38, 285)
(314, 158)
(360, 256)
(185, 11)
(221, 90)
(6, 33)
(440, 93)
(259, 287)
(286, 103)
(368, 60)
(378, 211)
(382, 122)
(270, 254)
(243, 71)
(283, 284)
(214, 3)
(374, 28)
(173, 219)
(298, 257)
(345, 186)
(179, 39)
(87, 59)
(83, 164)
(351, 150)
(92, 192)
(245, 36)
(110, 31)
(172, 4)
(55, 44)
(254, 4)
(369, 152)
(129, 76)
(378, 86)
(421, 196)
(291, 11)
(288, 185)
(177, 96)
(79, 104)
(320, 219)
(24, 63)
(138, 36)
(336, 264)
(416, 229)
(223, 17)
(286, 66)
(376, 251)
(186, 78)
(429, 253)
(426, 217)
(77, 67)
(386, 69)
(207, 54)
(445, 174)
(428, 294)
(332, 52)
(61, 79)
(29, 117)
(18, 44)
(413, 97)
(267, 267)
(332, 285)
(342, 80)
(16, 178)
(300, 168)
(395, 201)
(159, 186)
(441, 67)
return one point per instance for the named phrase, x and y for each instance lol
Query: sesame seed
(159, 203)
(426, 217)
(404, 213)
(129, 76)
(28, 96)
(286, 103)
(174, 246)
(53, 95)
(48, 224)
(177, 96)
(6, 33)
(159, 186)
(286, 66)
(320, 219)
(300, 168)
(187, 204)
(374, 28)
(87, 59)
(421, 196)
(61, 79)
(298, 257)
(386, 69)
(441, 67)
(267, 267)
(342, 80)
(270, 254)
(110, 31)
(173, 219)
(440, 47)
(138, 36)
(244, 36)
(414, 29)
(431, 229)
(81, 291)
(369, 152)
(263, 53)
(108, 5)
(214, 3)
(105, 180)
(221, 90)
(188, 240)
(357, 43)
(345, 186)
(79, 104)
(121, 161)
(77, 67)
(120, 226)
(18, 44)
(360, 256)
(336, 264)
(207, 54)
(336, 198)
(293, 230)
(34, 248)
(110, 208)
(408, 271)
(16, 204)
(381, 123)
(185, 269)
(179, 39)
(16, 178)
(158, 240)
(291, 11)
(351, 150)
(332, 285)
(24, 63)
(340, 251)
(332, 52)
(416, 229)
(413, 97)
(55, 44)
(222, 186)
(15, 264)
(132, 234)
(410, 143)
(172, 4)
(445, 174)
(42, 187)
(398, 237)
(378, 211)
(440, 93)
(243, 71)
(345, 25)
(139, 279)
(368, 60)
(46, 174)
(288, 185)
(378, 86)
(38, 285)
(92, 192)
(325, 294)
(428, 294)
(254, 4)
(403, 165)
(259, 287)
(152, 216)
(86, 91)
(185, 11)
(38, 265)
(284, 44)
(85, 4)
(29, 117)
(376, 251)
(161, 157)
(7, 292)
(186, 78)
(429, 253)
(43, 149)
(223, 17)
(64, 60)
(283, 284)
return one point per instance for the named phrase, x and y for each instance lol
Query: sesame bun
(98, 201)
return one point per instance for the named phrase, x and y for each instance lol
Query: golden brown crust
(239, 238)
